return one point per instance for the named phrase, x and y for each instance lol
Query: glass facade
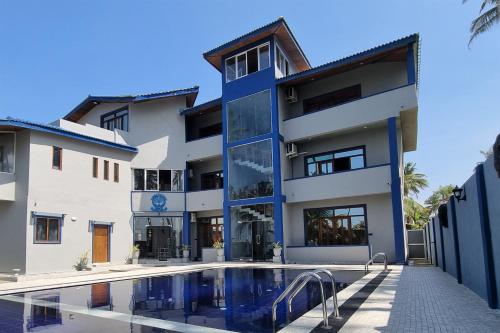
(249, 116)
(252, 232)
(158, 237)
(250, 170)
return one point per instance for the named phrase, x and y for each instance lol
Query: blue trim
(313, 246)
(455, 240)
(282, 138)
(410, 64)
(397, 206)
(62, 132)
(186, 229)
(351, 101)
(351, 59)
(334, 173)
(207, 105)
(253, 139)
(484, 219)
(443, 255)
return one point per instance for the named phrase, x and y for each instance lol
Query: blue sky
(55, 53)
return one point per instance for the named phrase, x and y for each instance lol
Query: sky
(56, 52)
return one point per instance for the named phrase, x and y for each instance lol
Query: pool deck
(402, 299)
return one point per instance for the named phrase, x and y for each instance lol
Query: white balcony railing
(7, 186)
(204, 200)
(366, 110)
(368, 181)
(204, 148)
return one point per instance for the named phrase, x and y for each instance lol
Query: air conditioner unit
(291, 95)
(291, 150)
(193, 217)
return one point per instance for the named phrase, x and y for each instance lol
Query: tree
(413, 181)
(439, 197)
(416, 215)
(486, 19)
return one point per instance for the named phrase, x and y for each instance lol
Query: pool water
(211, 300)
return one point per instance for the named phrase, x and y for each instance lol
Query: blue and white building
(310, 157)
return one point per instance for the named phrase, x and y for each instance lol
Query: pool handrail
(334, 291)
(292, 286)
(373, 258)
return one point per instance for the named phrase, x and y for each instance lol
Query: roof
(62, 132)
(207, 106)
(88, 103)
(279, 28)
(354, 60)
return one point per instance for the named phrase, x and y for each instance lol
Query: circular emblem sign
(158, 202)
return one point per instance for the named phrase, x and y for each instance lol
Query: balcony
(370, 109)
(204, 200)
(142, 201)
(7, 186)
(367, 181)
(204, 148)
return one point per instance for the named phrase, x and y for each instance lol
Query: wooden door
(100, 247)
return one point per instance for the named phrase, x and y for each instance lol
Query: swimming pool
(216, 300)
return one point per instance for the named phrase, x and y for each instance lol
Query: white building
(308, 156)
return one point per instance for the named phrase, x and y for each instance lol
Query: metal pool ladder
(373, 258)
(305, 278)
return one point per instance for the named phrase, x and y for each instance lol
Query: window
(106, 170)
(248, 62)
(250, 170)
(56, 158)
(211, 229)
(158, 180)
(282, 62)
(95, 167)
(7, 143)
(336, 161)
(115, 119)
(116, 173)
(331, 99)
(335, 226)
(212, 180)
(47, 230)
(139, 179)
(249, 116)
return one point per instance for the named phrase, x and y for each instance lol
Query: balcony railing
(204, 200)
(359, 182)
(204, 148)
(366, 110)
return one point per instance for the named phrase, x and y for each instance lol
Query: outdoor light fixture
(459, 193)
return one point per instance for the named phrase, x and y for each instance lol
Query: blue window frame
(47, 230)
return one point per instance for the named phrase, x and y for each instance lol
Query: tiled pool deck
(404, 299)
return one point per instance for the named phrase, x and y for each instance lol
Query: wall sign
(158, 202)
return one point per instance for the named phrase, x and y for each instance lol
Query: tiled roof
(62, 132)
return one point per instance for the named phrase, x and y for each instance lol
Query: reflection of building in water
(44, 314)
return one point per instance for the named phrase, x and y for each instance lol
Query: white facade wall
(74, 192)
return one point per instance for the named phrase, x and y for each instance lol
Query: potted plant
(82, 262)
(277, 249)
(185, 251)
(219, 246)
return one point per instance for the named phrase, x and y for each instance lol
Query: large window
(212, 180)
(335, 226)
(336, 161)
(249, 116)
(331, 99)
(158, 180)
(251, 170)
(47, 230)
(248, 62)
(7, 142)
(116, 119)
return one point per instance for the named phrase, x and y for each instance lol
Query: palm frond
(485, 21)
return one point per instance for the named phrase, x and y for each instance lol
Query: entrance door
(259, 238)
(100, 245)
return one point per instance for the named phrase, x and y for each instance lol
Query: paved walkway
(423, 299)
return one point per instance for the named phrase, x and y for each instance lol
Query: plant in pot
(277, 249)
(82, 262)
(136, 251)
(185, 251)
(219, 247)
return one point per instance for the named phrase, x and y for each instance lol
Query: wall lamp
(459, 193)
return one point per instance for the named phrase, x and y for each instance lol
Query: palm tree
(416, 214)
(486, 19)
(413, 181)
(439, 197)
